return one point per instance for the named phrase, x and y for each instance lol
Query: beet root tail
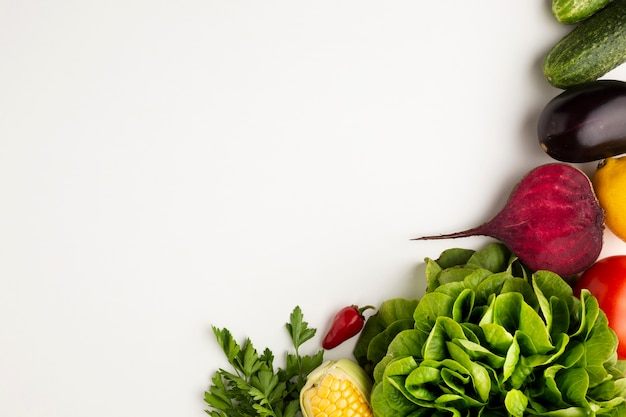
(477, 231)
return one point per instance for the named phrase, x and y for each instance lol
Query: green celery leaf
(255, 387)
(217, 397)
(248, 360)
(278, 392)
(227, 342)
(265, 382)
(263, 411)
(291, 409)
(301, 366)
(298, 328)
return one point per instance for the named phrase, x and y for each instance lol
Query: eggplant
(585, 123)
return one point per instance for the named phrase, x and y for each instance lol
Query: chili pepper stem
(362, 309)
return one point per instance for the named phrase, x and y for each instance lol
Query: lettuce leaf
(491, 337)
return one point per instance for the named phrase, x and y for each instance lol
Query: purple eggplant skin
(585, 123)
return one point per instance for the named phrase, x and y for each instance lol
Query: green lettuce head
(490, 338)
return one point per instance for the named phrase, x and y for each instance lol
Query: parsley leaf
(254, 387)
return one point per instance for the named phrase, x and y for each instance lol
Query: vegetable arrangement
(532, 324)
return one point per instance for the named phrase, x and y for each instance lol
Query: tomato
(606, 280)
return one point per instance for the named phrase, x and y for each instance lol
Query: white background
(166, 166)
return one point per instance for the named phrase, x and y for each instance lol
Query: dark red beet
(551, 221)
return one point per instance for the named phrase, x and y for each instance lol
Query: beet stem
(476, 231)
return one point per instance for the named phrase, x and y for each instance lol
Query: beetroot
(551, 221)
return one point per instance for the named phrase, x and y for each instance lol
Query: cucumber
(575, 11)
(593, 48)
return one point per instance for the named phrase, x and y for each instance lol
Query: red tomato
(606, 280)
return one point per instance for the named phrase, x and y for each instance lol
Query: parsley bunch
(254, 387)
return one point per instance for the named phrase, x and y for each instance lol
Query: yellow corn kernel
(341, 400)
(336, 392)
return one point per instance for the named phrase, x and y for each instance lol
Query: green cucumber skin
(575, 11)
(593, 48)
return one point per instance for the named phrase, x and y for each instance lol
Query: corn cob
(336, 389)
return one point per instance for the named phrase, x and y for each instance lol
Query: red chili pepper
(347, 323)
